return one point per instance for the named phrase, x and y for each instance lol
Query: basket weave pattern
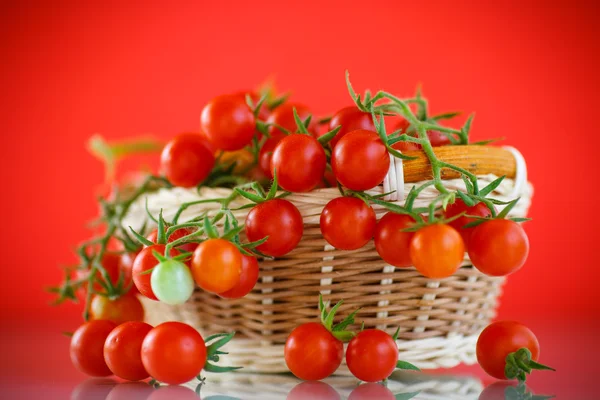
(439, 320)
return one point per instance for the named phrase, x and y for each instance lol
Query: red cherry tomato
(266, 155)
(348, 223)
(122, 350)
(122, 309)
(299, 162)
(391, 243)
(351, 119)
(87, 347)
(283, 116)
(437, 251)
(186, 160)
(500, 339)
(372, 355)
(313, 390)
(360, 160)
(369, 391)
(144, 261)
(217, 265)
(498, 247)
(264, 112)
(247, 281)
(174, 393)
(173, 353)
(312, 353)
(228, 122)
(278, 219)
(459, 207)
(436, 138)
(178, 234)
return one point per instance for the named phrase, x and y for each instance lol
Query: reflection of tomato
(122, 309)
(129, 391)
(313, 390)
(369, 391)
(93, 388)
(498, 391)
(173, 393)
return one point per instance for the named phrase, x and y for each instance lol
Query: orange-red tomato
(498, 247)
(299, 162)
(372, 355)
(122, 350)
(312, 353)
(347, 223)
(351, 119)
(228, 122)
(123, 309)
(186, 160)
(217, 265)
(360, 160)
(459, 207)
(437, 251)
(248, 279)
(280, 221)
(265, 155)
(173, 353)
(391, 243)
(87, 347)
(144, 261)
(500, 339)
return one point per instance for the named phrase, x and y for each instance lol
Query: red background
(528, 70)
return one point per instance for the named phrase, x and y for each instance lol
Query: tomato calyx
(501, 215)
(339, 330)
(213, 352)
(520, 363)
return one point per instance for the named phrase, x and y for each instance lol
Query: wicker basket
(439, 320)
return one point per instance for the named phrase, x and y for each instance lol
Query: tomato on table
(280, 221)
(312, 352)
(186, 160)
(437, 251)
(122, 309)
(173, 353)
(228, 122)
(299, 161)
(248, 279)
(360, 160)
(348, 223)
(217, 265)
(145, 261)
(498, 247)
(372, 355)
(122, 350)
(459, 207)
(87, 347)
(391, 242)
(350, 119)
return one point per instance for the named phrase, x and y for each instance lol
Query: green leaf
(349, 320)
(517, 219)
(253, 245)
(398, 154)
(395, 335)
(149, 213)
(508, 208)
(469, 202)
(406, 396)
(252, 197)
(448, 115)
(233, 232)
(140, 238)
(467, 126)
(407, 366)
(278, 101)
(210, 229)
(343, 336)
(468, 184)
(210, 367)
(159, 256)
(326, 138)
(299, 123)
(274, 187)
(331, 315)
(249, 101)
(475, 223)
(491, 187)
(322, 309)
(222, 341)
(161, 238)
(259, 105)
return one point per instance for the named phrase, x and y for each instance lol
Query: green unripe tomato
(172, 282)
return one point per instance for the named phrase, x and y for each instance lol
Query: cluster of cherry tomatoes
(313, 351)
(172, 352)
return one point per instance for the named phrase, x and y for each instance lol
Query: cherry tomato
(228, 122)
(403, 147)
(437, 251)
(351, 119)
(369, 391)
(313, 390)
(312, 353)
(372, 355)
(144, 261)
(243, 160)
(129, 391)
(87, 347)
(122, 350)
(498, 247)
(186, 160)
(174, 393)
(93, 389)
(280, 221)
(122, 309)
(173, 353)
(459, 207)
(348, 223)
(264, 112)
(391, 243)
(360, 160)
(217, 265)
(248, 279)
(172, 282)
(265, 155)
(500, 339)
(436, 138)
(178, 234)
(115, 266)
(299, 161)
(284, 116)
